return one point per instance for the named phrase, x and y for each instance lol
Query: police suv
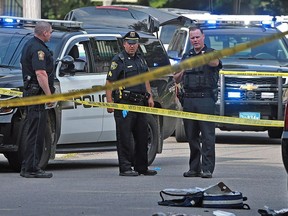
(72, 126)
(253, 96)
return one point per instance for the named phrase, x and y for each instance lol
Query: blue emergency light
(7, 21)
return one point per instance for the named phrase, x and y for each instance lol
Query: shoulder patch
(41, 55)
(114, 65)
(110, 74)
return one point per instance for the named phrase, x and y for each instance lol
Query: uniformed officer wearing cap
(126, 64)
(38, 76)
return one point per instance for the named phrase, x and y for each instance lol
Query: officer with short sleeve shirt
(129, 63)
(38, 76)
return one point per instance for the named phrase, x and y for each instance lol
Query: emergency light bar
(11, 21)
(244, 20)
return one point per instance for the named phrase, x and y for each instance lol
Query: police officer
(38, 76)
(126, 64)
(199, 96)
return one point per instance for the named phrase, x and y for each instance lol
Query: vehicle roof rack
(11, 21)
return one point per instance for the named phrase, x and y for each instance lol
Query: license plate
(249, 115)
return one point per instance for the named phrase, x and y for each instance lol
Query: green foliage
(157, 3)
(57, 9)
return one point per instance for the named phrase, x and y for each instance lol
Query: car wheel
(284, 144)
(180, 135)
(154, 137)
(275, 133)
(15, 158)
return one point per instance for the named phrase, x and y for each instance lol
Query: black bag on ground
(186, 198)
(216, 196)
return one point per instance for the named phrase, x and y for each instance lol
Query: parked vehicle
(254, 97)
(73, 127)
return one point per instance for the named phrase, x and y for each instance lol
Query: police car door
(104, 49)
(80, 123)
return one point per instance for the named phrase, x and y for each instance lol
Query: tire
(284, 144)
(154, 139)
(275, 133)
(180, 135)
(15, 158)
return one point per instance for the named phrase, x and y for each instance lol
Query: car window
(153, 52)
(103, 52)
(178, 42)
(167, 32)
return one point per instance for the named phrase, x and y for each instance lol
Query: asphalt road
(88, 184)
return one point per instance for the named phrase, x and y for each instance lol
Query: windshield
(11, 46)
(218, 40)
(275, 50)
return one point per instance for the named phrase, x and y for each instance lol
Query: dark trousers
(133, 124)
(193, 128)
(37, 120)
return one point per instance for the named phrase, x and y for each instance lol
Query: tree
(57, 9)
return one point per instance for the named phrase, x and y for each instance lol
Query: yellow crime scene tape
(186, 115)
(170, 113)
(252, 73)
(154, 74)
(10, 92)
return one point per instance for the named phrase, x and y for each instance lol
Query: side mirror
(67, 67)
(67, 60)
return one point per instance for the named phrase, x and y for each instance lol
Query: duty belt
(197, 94)
(133, 96)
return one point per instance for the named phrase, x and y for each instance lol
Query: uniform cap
(131, 37)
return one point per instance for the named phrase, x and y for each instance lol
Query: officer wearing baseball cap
(128, 63)
(132, 37)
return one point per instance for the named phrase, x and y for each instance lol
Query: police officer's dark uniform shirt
(200, 86)
(203, 78)
(123, 66)
(37, 56)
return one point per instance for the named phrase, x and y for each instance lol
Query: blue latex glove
(124, 113)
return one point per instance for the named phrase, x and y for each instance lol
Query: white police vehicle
(73, 127)
(255, 97)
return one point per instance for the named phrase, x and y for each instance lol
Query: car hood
(10, 78)
(254, 65)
